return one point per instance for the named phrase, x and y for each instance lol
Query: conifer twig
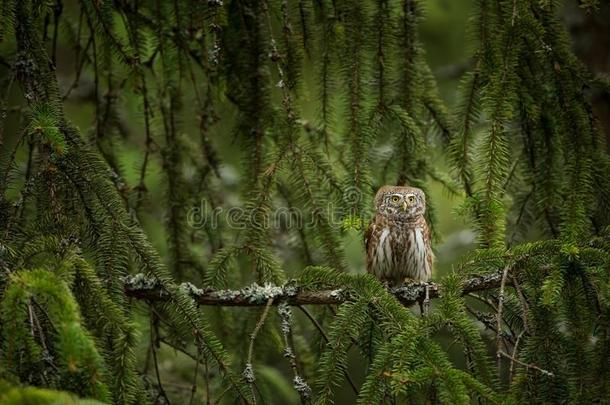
(524, 303)
(207, 382)
(299, 383)
(514, 355)
(194, 385)
(315, 322)
(176, 347)
(526, 365)
(499, 316)
(154, 336)
(249, 371)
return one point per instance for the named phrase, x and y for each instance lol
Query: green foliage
(7, 20)
(43, 123)
(11, 395)
(524, 65)
(290, 114)
(406, 362)
(75, 355)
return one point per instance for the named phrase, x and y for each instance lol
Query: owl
(398, 238)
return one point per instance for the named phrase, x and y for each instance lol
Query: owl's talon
(408, 280)
(426, 305)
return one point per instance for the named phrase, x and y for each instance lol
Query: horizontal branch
(141, 287)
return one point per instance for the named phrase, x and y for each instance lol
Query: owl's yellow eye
(411, 199)
(395, 199)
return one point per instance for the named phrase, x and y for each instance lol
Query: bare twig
(526, 365)
(512, 361)
(207, 382)
(194, 385)
(315, 322)
(499, 316)
(524, 303)
(79, 68)
(483, 318)
(299, 383)
(154, 335)
(249, 372)
(177, 348)
(494, 308)
(147, 359)
(257, 328)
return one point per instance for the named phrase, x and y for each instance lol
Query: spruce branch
(143, 288)
(324, 335)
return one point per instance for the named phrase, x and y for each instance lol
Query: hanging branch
(248, 373)
(140, 287)
(299, 383)
(499, 316)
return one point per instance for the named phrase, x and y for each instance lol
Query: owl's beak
(404, 206)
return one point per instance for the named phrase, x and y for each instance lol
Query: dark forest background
(162, 161)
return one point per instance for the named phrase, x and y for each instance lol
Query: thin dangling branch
(499, 316)
(249, 370)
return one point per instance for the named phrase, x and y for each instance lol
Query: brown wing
(371, 238)
(428, 242)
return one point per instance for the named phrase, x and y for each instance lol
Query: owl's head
(400, 203)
